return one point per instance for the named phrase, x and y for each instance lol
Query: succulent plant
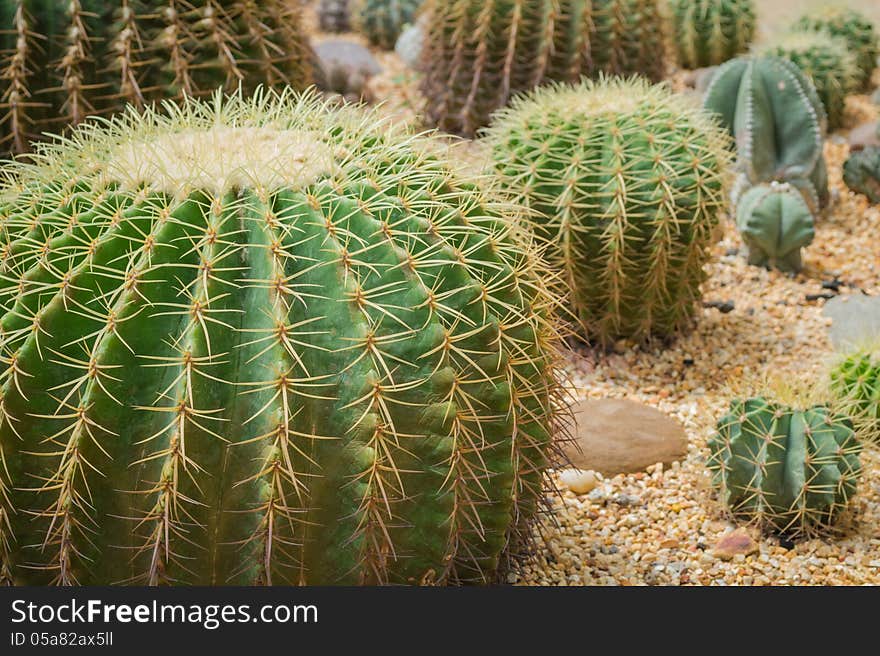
(829, 64)
(627, 181)
(67, 60)
(382, 21)
(861, 173)
(855, 28)
(628, 37)
(793, 470)
(409, 45)
(266, 341)
(334, 15)
(855, 386)
(709, 32)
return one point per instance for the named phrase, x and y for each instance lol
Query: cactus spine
(789, 469)
(382, 21)
(855, 28)
(67, 60)
(627, 181)
(861, 173)
(266, 341)
(829, 64)
(855, 386)
(772, 110)
(709, 32)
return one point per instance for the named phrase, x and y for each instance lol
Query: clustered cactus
(627, 182)
(855, 386)
(829, 64)
(266, 341)
(382, 21)
(772, 110)
(709, 32)
(66, 60)
(861, 173)
(790, 469)
(855, 28)
(334, 15)
(478, 54)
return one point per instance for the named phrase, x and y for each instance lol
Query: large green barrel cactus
(854, 27)
(709, 32)
(382, 21)
(861, 173)
(829, 64)
(67, 60)
(790, 469)
(855, 385)
(264, 341)
(627, 181)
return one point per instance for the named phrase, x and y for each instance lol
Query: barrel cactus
(861, 173)
(67, 60)
(855, 386)
(334, 16)
(709, 32)
(855, 28)
(266, 341)
(382, 21)
(793, 470)
(627, 181)
(829, 64)
(628, 37)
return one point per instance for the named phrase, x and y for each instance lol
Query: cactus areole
(266, 342)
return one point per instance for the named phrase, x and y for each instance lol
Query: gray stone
(344, 67)
(619, 436)
(855, 320)
(864, 135)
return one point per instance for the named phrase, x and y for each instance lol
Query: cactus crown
(321, 356)
(627, 180)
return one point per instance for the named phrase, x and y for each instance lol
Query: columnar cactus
(855, 385)
(67, 60)
(829, 64)
(382, 21)
(334, 15)
(709, 32)
(627, 181)
(266, 341)
(861, 173)
(772, 110)
(854, 27)
(789, 469)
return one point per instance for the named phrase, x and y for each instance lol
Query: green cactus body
(266, 341)
(861, 173)
(709, 32)
(627, 181)
(829, 64)
(852, 26)
(334, 15)
(855, 386)
(792, 470)
(628, 38)
(67, 60)
(382, 21)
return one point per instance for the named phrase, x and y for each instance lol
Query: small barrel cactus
(829, 64)
(709, 32)
(382, 21)
(861, 173)
(788, 469)
(855, 386)
(855, 28)
(266, 341)
(409, 45)
(67, 60)
(334, 15)
(627, 182)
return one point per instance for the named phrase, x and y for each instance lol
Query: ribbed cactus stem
(709, 32)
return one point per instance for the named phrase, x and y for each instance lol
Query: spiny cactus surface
(854, 27)
(382, 21)
(789, 469)
(829, 64)
(709, 32)
(627, 181)
(861, 173)
(265, 341)
(63, 61)
(855, 385)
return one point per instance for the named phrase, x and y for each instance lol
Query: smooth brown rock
(864, 135)
(737, 542)
(618, 436)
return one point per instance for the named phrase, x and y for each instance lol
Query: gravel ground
(658, 527)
